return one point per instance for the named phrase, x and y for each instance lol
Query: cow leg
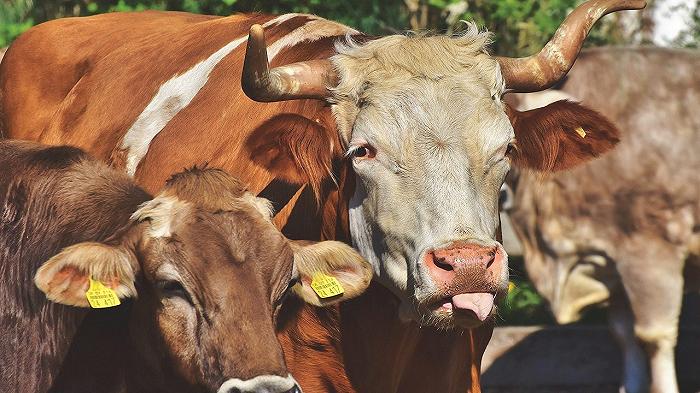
(635, 376)
(653, 280)
(662, 364)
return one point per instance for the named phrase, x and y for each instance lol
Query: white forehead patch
(163, 212)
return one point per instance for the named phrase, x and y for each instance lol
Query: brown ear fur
(293, 148)
(547, 138)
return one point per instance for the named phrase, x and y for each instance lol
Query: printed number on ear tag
(100, 296)
(326, 286)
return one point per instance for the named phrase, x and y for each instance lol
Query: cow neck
(381, 353)
(361, 345)
(54, 216)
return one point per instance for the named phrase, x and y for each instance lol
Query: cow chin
(443, 315)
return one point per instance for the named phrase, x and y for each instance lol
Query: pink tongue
(478, 303)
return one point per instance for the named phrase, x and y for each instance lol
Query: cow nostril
(492, 258)
(442, 264)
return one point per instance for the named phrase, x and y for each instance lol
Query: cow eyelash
(510, 149)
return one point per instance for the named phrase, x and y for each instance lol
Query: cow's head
(210, 271)
(430, 140)
(565, 240)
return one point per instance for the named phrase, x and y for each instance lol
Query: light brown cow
(624, 229)
(396, 144)
(206, 269)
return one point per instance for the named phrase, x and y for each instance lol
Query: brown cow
(209, 268)
(396, 144)
(624, 229)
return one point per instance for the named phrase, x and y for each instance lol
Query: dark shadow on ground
(570, 359)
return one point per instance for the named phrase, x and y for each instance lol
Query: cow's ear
(560, 135)
(329, 272)
(67, 276)
(293, 148)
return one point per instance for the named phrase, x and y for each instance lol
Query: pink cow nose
(468, 275)
(462, 264)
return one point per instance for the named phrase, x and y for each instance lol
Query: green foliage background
(521, 27)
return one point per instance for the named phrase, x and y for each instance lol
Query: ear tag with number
(100, 296)
(581, 132)
(326, 286)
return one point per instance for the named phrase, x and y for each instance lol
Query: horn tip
(256, 29)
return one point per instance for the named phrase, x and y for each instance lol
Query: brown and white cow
(205, 267)
(623, 229)
(395, 144)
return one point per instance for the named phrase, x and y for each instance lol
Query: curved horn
(306, 79)
(540, 71)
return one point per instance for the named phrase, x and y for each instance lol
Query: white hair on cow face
(381, 65)
(164, 213)
(262, 205)
(426, 114)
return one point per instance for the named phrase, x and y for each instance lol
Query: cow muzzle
(468, 278)
(261, 384)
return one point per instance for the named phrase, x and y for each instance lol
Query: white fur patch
(262, 205)
(177, 93)
(172, 97)
(261, 383)
(163, 212)
(311, 31)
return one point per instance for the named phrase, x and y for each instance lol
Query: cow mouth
(472, 307)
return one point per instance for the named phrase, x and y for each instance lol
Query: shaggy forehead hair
(384, 67)
(209, 189)
(214, 190)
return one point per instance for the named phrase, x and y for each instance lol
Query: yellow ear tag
(100, 296)
(581, 132)
(326, 286)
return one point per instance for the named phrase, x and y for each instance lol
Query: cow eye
(172, 288)
(510, 148)
(363, 151)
